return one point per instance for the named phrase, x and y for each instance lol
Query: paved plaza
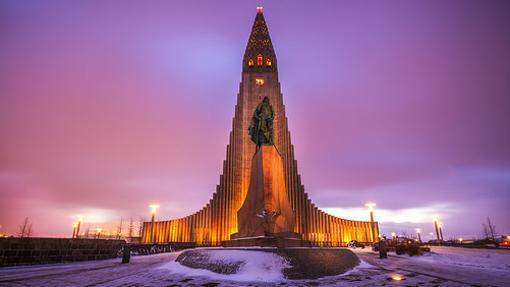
(446, 266)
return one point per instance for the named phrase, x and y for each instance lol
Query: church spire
(259, 55)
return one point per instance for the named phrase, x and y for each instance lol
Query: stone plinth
(280, 241)
(300, 263)
(266, 211)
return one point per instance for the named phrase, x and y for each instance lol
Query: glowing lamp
(418, 230)
(397, 277)
(154, 208)
(370, 206)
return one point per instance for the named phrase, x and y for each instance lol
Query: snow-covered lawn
(255, 266)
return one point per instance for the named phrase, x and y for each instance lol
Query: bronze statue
(261, 126)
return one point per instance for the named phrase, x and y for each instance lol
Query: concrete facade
(217, 220)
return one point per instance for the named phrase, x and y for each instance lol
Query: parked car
(505, 243)
(355, 244)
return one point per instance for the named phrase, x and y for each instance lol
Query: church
(218, 220)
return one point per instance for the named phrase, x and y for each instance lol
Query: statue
(266, 217)
(261, 126)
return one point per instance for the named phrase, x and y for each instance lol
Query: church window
(268, 62)
(251, 63)
(259, 60)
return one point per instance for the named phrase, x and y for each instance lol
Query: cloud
(422, 214)
(105, 116)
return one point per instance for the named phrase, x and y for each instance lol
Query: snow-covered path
(469, 267)
(447, 266)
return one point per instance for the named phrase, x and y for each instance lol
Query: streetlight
(418, 232)
(393, 235)
(440, 225)
(371, 207)
(75, 226)
(437, 228)
(460, 240)
(154, 208)
(80, 219)
(98, 232)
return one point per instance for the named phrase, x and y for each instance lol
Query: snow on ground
(445, 267)
(479, 267)
(363, 250)
(256, 266)
(486, 259)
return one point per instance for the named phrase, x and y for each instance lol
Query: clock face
(259, 82)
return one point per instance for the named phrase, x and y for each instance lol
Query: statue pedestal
(266, 217)
(279, 241)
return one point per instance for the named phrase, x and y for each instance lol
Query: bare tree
(119, 229)
(131, 227)
(29, 230)
(87, 231)
(140, 226)
(25, 230)
(22, 228)
(485, 231)
(489, 230)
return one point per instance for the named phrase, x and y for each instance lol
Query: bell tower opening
(259, 60)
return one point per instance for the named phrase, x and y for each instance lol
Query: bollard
(383, 253)
(126, 255)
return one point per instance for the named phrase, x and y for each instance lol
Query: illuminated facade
(217, 220)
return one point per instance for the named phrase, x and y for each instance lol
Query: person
(383, 252)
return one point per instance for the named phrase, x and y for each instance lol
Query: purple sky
(107, 106)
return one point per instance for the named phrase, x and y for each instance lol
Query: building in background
(217, 220)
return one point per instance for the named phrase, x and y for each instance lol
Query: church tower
(259, 79)
(217, 220)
